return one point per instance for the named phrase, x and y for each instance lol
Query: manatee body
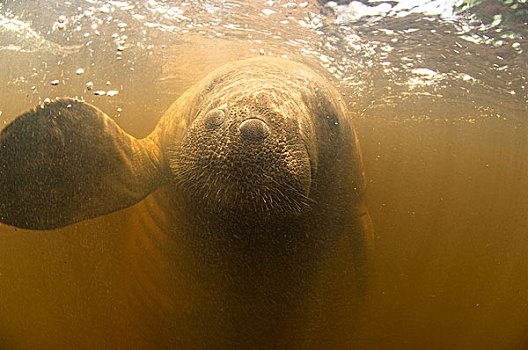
(248, 184)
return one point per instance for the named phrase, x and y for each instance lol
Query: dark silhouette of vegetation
(510, 13)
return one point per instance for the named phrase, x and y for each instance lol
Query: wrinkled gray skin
(257, 177)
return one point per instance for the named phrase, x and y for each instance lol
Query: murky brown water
(441, 112)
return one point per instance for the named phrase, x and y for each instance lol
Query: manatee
(247, 185)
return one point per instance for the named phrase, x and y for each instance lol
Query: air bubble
(267, 12)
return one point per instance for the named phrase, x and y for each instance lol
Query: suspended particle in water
(112, 92)
(61, 22)
(55, 82)
(99, 93)
(89, 85)
(79, 71)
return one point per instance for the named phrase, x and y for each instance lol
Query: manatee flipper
(362, 238)
(67, 161)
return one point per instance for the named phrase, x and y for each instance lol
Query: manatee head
(249, 148)
(254, 139)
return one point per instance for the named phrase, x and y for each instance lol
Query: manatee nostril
(254, 129)
(213, 119)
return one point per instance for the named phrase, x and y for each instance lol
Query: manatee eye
(214, 119)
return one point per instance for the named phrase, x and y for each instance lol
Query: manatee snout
(251, 128)
(254, 129)
(244, 157)
(214, 119)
